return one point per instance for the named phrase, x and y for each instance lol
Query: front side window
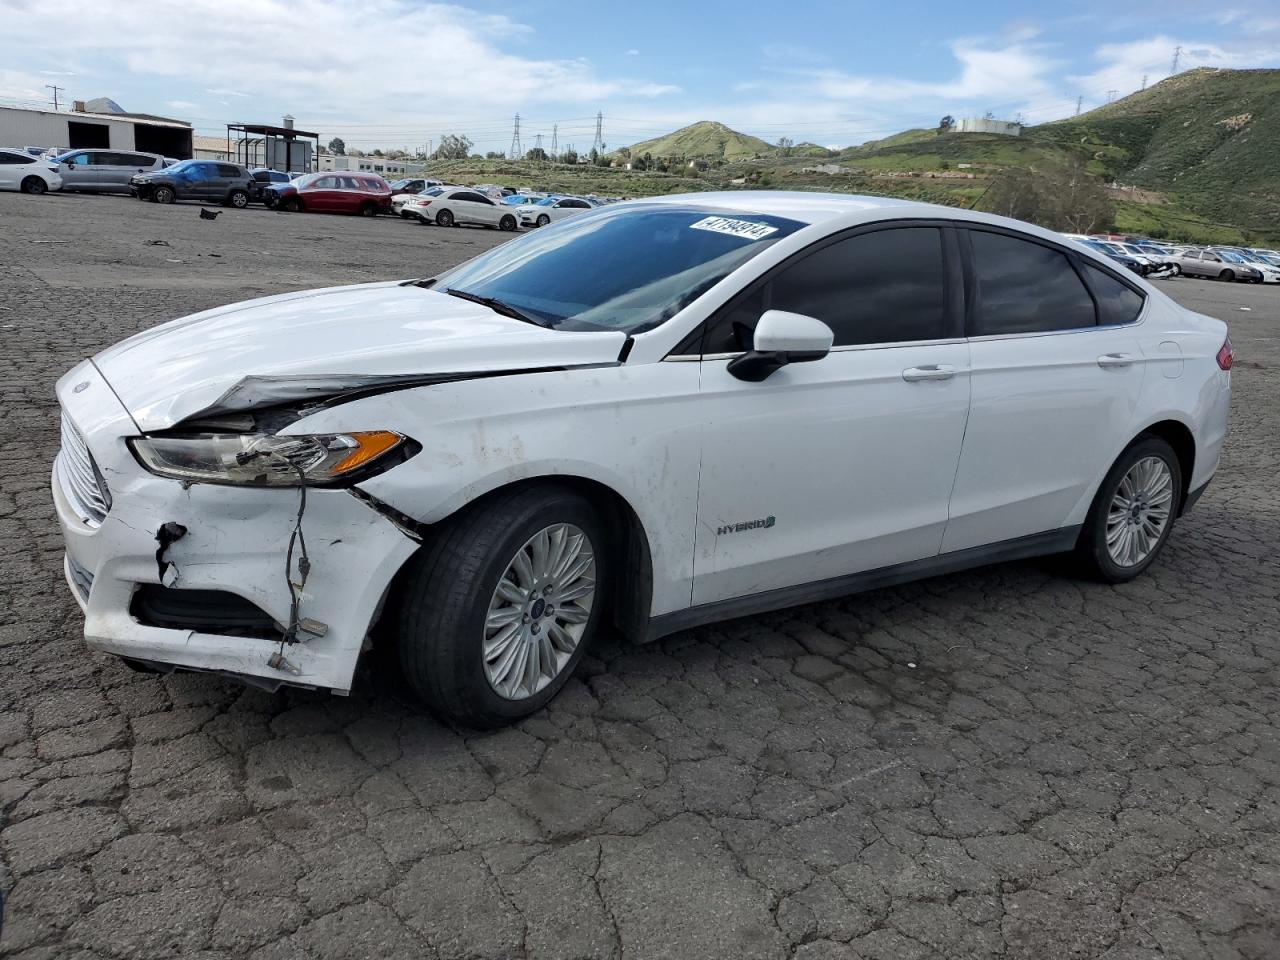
(583, 273)
(1026, 287)
(886, 286)
(79, 160)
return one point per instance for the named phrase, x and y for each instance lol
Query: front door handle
(1115, 360)
(931, 371)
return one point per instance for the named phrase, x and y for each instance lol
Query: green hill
(1207, 138)
(707, 139)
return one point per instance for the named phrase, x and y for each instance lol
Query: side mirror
(782, 338)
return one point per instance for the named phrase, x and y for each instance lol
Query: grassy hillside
(705, 139)
(1209, 139)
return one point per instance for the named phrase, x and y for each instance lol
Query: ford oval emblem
(80, 387)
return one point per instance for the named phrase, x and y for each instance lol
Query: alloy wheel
(1139, 512)
(539, 611)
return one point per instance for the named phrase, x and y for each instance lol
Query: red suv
(364, 193)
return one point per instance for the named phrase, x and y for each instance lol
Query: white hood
(320, 342)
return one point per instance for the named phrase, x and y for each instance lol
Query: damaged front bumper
(212, 593)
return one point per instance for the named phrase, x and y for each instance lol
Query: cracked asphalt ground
(1004, 763)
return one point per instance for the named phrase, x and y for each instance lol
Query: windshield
(621, 268)
(1230, 257)
(400, 184)
(547, 201)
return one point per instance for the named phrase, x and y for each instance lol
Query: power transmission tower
(1079, 101)
(1144, 82)
(537, 145)
(55, 88)
(555, 147)
(598, 144)
(1111, 95)
(516, 151)
(1177, 57)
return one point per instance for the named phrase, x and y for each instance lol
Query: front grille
(78, 477)
(205, 611)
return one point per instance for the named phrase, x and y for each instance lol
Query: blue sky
(397, 73)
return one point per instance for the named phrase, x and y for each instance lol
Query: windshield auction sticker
(735, 228)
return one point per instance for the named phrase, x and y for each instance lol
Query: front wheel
(163, 195)
(368, 210)
(543, 219)
(292, 205)
(507, 223)
(1227, 275)
(1133, 512)
(35, 186)
(1175, 270)
(238, 199)
(500, 606)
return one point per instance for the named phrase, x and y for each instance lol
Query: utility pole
(1144, 82)
(1177, 57)
(1079, 101)
(555, 146)
(55, 88)
(598, 144)
(516, 150)
(1111, 95)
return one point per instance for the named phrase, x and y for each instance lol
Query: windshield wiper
(496, 305)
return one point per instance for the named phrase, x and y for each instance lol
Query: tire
(507, 223)
(404, 214)
(163, 195)
(368, 210)
(446, 597)
(1175, 270)
(444, 219)
(1227, 275)
(292, 205)
(1093, 555)
(543, 220)
(35, 186)
(238, 199)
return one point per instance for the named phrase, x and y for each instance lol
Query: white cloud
(336, 64)
(633, 52)
(180, 105)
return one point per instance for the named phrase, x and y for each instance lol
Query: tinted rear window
(1026, 287)
(1117, 302)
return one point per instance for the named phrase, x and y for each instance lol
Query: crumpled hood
(317, 343)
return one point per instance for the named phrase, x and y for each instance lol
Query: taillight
(1225, 355)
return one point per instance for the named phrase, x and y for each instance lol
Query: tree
(536, 155)
(1059, 196)
(495, 155)
(594, 156)
(337, 146)
(946, 124)
(784, 146)
(569, 156)
(453, 146)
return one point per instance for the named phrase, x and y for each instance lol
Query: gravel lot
(998, 764)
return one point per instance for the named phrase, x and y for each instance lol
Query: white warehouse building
(1007, 128)
(78, 129)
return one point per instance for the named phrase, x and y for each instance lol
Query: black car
(260, 188)
(206, 180)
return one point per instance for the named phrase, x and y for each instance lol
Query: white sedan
(453, 206)
(786, 398)
(550, 209)
(19, 170)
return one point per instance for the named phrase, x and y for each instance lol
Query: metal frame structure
(255, 133)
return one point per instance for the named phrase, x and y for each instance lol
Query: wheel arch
(1179, 436)
(630, 593)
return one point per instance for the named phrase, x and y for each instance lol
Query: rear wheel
(500, 606)
(508, 223)
(444, 218)
(238, 199)
(162, 195)
(35, 186)
(1227, 275)
(1133, 512)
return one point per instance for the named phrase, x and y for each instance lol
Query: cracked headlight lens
(269, 460)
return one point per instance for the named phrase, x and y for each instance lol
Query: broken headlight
(270, 460)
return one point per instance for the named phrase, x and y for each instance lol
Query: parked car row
(1151, 259)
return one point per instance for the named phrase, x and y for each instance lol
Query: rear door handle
(1115, 360)
(931, 371)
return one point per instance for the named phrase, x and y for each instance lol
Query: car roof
(794, 205)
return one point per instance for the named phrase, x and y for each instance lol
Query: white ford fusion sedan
(653, 415)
